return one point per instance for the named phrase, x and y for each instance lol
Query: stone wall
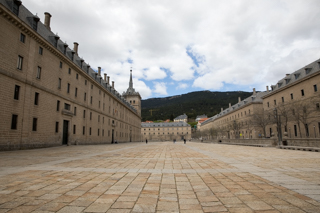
(244, 142)
(303, 142)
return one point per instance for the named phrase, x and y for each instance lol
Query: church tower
(132, 96)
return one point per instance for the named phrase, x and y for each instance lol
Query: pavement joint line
(277, 177)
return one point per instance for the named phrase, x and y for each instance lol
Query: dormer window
(297, 75)
(35, 21)
(279, 85)
(308, 70)
(15, 6)
(56, 38)
(287, 81)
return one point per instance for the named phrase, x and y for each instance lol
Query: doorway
(65, 132)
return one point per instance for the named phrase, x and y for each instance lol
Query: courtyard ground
(159, 177)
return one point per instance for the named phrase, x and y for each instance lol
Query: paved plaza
(159, 177)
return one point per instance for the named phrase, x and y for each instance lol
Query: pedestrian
(184, 141)
(116, 141)
(146, 140)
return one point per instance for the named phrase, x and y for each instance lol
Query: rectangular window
(85, 96)
(98, 132)
(85, 82)
(99, 104)
(75, 111)
(20, 61)
(315, 88)
(102, 132)
(91, 100)
(77, 76)
(275, 102)
(295, 130)
(90, 115)
(76, 92)
(268, 104)
(40, 51)
(58, 105)
(84, 113)
(69, 71)
(14, 122)
(282, 99)
(91, 86)
(90, 131)
(66, 106)
(36, 98)
(291, 96)
(68, 88)
(57, 127)
(60, 64)
(39, 73)
(317, 106)
(98, 118)
(34, 124)
(16, 92)
(83, 130)
(22, 38)
(74, 129)
(59, 83)
(302, 92)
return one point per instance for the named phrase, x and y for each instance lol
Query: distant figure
(116, 142)
(184, 141)
(174, 140)
(146, 140)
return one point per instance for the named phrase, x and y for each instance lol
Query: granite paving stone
(159, 177)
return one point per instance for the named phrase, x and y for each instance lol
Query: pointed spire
(131, 83)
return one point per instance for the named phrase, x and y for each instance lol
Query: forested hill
(192, 104)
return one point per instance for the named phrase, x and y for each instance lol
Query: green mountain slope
(192, 104)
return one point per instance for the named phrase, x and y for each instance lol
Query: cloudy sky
(175, 47)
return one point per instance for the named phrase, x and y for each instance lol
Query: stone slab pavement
(159, 177)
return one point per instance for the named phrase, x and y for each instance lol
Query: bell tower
(132, 96)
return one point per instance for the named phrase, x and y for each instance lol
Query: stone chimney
(75, 47)
(221, 109)
(105, 77)
(113, 84)
(254, 91)
(287, 74)
(239, 99)
(108, 80)
(99, 71)
(229, 105)
(47, 17)
(267, 88)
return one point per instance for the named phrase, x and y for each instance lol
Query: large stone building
(165, 131)
(49, 95)
(294, 102)
(181, 118)
(292, 106)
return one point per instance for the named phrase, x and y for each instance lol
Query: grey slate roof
(181, 117)
(297, 75)
(27, 17)
(164, 124)
(256, 98)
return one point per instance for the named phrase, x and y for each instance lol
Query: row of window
(168, 128)
(315, 89)
(168, 133)
(14, 122)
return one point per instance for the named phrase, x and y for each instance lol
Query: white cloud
(182, 86)
(250, 43)
(160, 88)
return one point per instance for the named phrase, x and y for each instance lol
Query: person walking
(184, 141)
(146, 141)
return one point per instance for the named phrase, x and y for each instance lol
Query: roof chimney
(47, 17)
(105, 77)
(75, 47)
(99, 71)
(221, 109)
(108, 80)
(254, 91)
(113, 84)
(239, 99)
(229, 105)
(287, 74)
(267, 88)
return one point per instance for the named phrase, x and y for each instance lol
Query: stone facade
(49, 95)
(165, 131)
(292, 106)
